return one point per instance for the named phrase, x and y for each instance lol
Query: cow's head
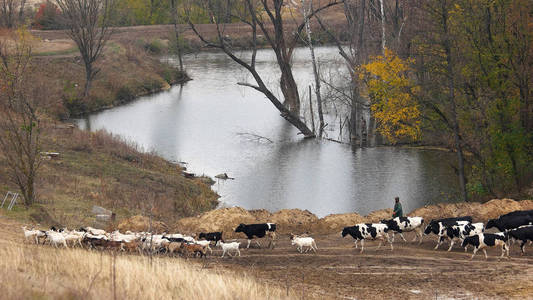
(491, 223)
(429, 228)
(240, 228)
(346, 231)
(391, 225)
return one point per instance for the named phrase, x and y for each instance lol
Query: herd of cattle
(514, 226)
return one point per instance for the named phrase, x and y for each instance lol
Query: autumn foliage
(391, 95)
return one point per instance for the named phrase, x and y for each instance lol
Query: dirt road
(411, 271)
(338, 271)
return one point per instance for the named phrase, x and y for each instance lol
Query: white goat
(228, 247)
(56, 238)
(302, 242)
(33, 234)
(205, 244)
(95, 231)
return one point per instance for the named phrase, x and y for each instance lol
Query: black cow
(518, 213)
(211, 236)
(504, 223)
(484, 240)
(434, 226)
(258, 230)
(360, 232)
(522, 234)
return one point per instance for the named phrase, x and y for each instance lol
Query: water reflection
(214, 125)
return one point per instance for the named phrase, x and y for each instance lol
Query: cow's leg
(393, 235)
(485, 251)
(239, 252)
(403, 238)
(249, 241)
(504, 247)
(257, 242)
(380, 242)
(356, 244)
(474, 253)
(362, 245)
(441, 239)
(391, 248)
(522, 245)
(451, 245)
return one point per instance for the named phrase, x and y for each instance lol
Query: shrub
(154, 47)
(48, 16)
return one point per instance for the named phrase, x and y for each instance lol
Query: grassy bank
(128, 70)
(100, 169)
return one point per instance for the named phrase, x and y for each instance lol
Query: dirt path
(411, 271)
(338, 271)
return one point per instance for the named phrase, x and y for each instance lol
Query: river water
(216, 126)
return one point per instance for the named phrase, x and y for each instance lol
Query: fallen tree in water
(300, 221)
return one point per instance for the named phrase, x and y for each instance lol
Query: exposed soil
(338, 271)
(411, 271)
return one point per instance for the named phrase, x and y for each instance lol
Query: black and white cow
(405, 224)
(459, 232)
(435, 226)
(522, 234)
(484, 240)
(509, 222)
(368, 231)
(258, 230)
(211, 236)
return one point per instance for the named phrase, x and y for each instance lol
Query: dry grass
(102, 169)
(42, 272)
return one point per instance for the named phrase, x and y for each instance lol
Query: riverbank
(128, 69)
(96, 168)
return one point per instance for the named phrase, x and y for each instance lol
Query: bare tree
(306, 11)
(88, 23)
(174, 8)
(265, 17)
(20, 128)
(8, 10)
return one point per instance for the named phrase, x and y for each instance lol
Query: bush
(154, 47)
(48, 17)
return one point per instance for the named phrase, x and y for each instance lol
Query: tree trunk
(174, 8)
(451, 91)
(382, 26)
(88, 80)
(315, 67)
(311, 109)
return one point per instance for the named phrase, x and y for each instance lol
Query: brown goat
(195, 249)
(132, 246)
(173, 247)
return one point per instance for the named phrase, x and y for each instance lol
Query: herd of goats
(514, 226)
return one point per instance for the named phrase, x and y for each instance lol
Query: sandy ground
(338, 271)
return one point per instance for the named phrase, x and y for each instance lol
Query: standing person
(398, 212)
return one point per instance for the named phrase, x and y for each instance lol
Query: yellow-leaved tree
(391, 95)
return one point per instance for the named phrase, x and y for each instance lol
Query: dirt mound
(141, 223)
(378, 215)
(301, 221)
(480, 212)
(335, 222)
(293, 220)
(224, 219)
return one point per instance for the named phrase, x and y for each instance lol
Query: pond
(216, 126)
